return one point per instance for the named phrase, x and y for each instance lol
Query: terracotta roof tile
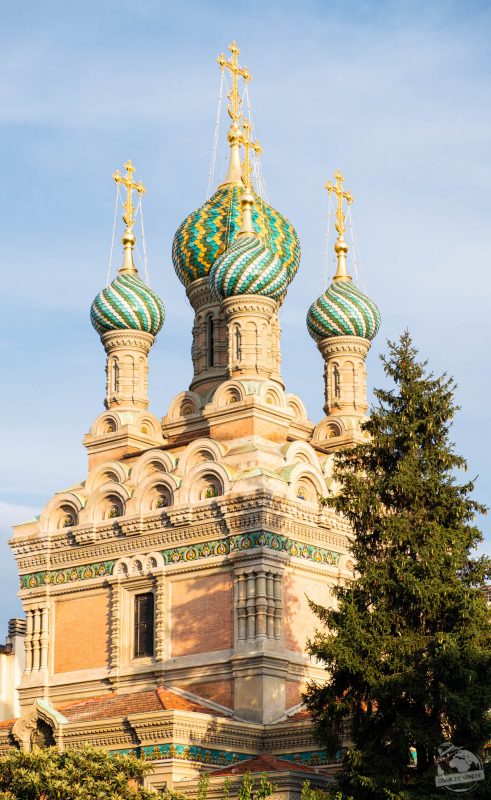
(263, 763)
(299, 715)
(7, 723)
(121, 705)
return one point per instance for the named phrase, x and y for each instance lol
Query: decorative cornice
(127, 338)
(248, 304)
(182, 525)
(344, 344)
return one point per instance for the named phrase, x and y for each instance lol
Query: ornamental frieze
(189, 553)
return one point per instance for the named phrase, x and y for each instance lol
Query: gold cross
(236, 71)
(248, 145)
(341, 195)
(131, 186)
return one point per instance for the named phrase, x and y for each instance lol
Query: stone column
(44, 638)
(345, 375)
(28, 645)
(127, 368)
(253, 337)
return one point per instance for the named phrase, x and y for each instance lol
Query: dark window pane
(144, 615)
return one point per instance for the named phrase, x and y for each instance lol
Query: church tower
(167, 593)
(343, 321)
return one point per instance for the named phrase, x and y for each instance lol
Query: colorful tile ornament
(311, 758)
(224, 758)
(207, 232)
(343, 310)
(58, 577)
(218, 758)
(127, 304)
(249, 267)
(194, 552)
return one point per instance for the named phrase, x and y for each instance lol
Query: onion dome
(127, 304)
(343, 310)
(209, 231)
(249, 267)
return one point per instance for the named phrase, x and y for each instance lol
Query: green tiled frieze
(224, 758)
(311, 758)
(194, 552)
(70, 575)
(217, 758)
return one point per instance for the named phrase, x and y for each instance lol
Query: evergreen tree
(408, 647)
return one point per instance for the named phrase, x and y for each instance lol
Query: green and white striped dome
(127, 304)
(343, 310)
(249, 266)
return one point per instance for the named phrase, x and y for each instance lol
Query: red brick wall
(293, 693)
(221, 692)
(201, 615)
(300, 620)
(81, 632)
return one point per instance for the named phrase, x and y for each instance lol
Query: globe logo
(458, 770)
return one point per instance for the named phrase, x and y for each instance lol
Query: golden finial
(340, 247)
(234, 110)
(247, 197)
(236, 71)
(129, 213)
(248, 145)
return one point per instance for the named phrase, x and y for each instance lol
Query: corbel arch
(199, 452)
(205, 482)
(307, 483)
(154, 494)
(296, 406)
(62, 511)
(40, 720)
(106, 503)
(152, 463)
(228, 393)
(183, 405)
(141, 564)
(301, 453)
(109, 472)
(272, 394)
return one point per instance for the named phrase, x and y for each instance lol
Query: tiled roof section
(7, 723)
(121, 705)
(263, 763)
(302, 714)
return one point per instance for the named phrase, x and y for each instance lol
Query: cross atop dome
(248, 144)
(234, 109)
(129, 213)
(340, 247)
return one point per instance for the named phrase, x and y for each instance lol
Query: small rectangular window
(144, 625)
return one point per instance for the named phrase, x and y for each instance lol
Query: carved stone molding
(139, 340)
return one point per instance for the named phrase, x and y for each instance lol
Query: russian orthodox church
(166, 594)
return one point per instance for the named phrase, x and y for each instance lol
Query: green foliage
(321, 794)
(93, 774)
(204, 780)
(86, 774)
(408, 647)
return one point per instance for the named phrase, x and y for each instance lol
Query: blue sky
(395, 94)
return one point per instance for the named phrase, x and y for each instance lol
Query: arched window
(144, 625)
(337, 381)
(237, 343)
(210, 341)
